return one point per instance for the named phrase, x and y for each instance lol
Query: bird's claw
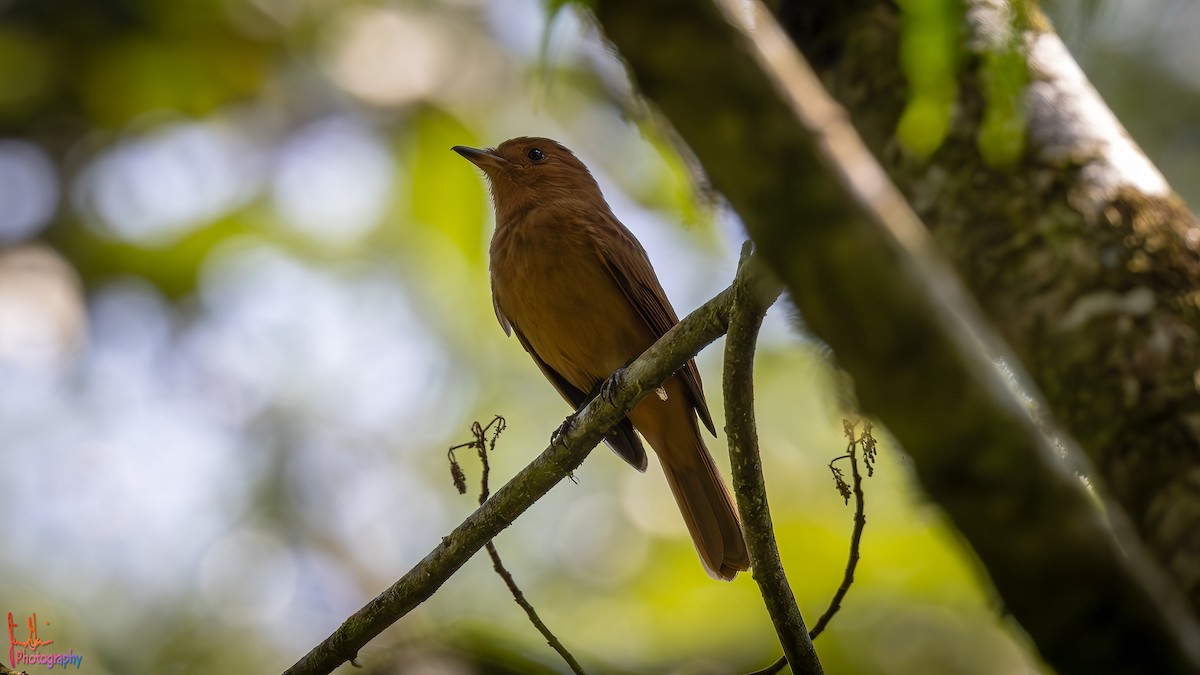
(557, 436)
(611, 386)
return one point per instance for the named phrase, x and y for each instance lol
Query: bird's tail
(708, 510)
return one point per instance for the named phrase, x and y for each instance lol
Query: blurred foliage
(930, 53)
(438, 183)
(1002, 133)
(244, 310)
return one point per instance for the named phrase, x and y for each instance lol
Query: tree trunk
(1081, 255)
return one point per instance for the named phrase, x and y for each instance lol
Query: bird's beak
(481, 158)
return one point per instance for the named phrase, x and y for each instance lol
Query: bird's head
(527, 170)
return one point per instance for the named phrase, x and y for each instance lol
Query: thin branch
(483, 446)
(773, 668)
(867, 441)
(659, 362)
(860, 519)
(519, 597)
(745, 317)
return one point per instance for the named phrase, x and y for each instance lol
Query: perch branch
(647, 372)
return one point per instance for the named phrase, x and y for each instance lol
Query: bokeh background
(244, 311)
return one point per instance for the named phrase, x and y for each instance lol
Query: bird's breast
(554, 288)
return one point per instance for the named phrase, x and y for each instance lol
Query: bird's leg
(570, 421)
(612, 384)
(557, 435)
(606, 391)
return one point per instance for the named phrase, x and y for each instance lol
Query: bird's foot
(561, 431)
(611, 386)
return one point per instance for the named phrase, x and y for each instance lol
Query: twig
(519, 597)
(867, 441)
(773, 668)
(482, 446)
(860, 519)
(664, 357)
(745, 316)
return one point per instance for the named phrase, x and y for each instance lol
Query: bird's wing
(503, 319)
(620, 438)
(643, 290)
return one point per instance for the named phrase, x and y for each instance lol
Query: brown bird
(579, 291)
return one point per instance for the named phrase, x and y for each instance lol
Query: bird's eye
(536, 155)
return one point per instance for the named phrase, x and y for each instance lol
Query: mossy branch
(748, 308)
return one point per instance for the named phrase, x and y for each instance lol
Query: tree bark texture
(746, 311)
(1081, 255)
